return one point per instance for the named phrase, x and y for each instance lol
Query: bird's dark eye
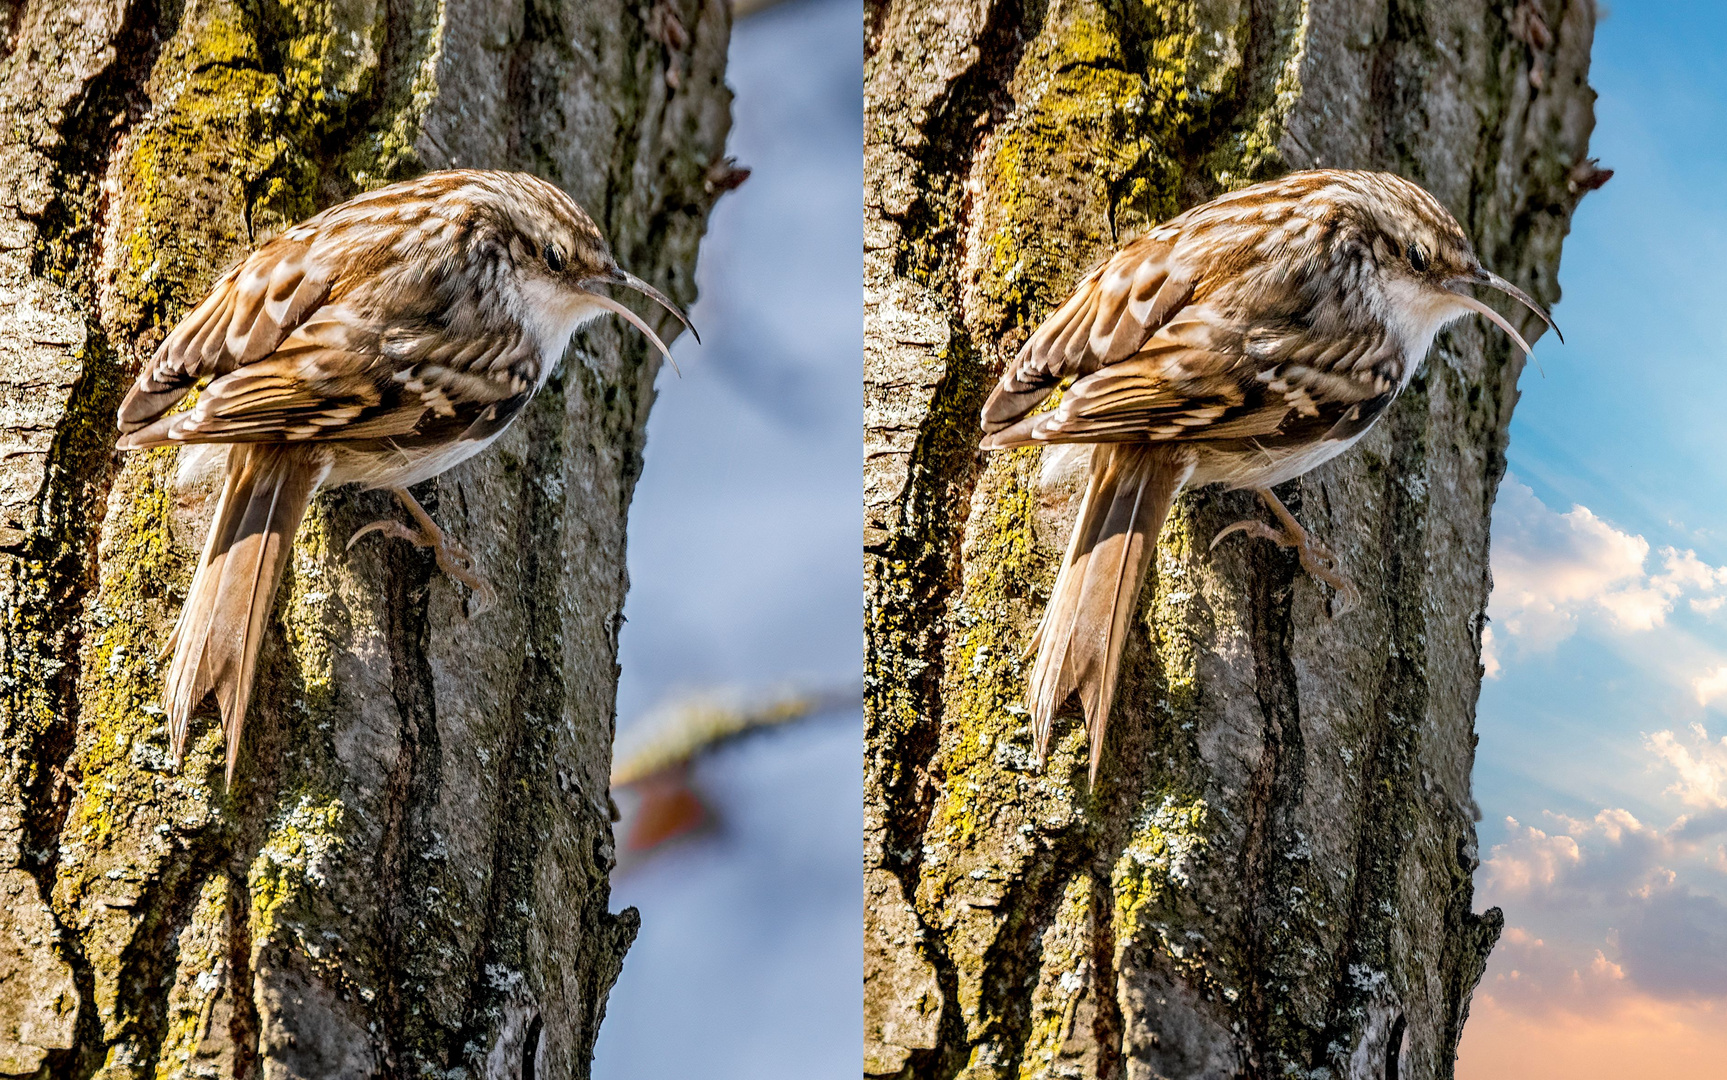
(1418, 258)
(555, 258)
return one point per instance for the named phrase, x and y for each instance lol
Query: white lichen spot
(303, 841)
(208, 981)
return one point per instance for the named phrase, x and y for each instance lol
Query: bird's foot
(1316, 558)
(453, 559)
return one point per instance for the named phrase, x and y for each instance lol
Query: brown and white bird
(1241, 343)
(379, 343)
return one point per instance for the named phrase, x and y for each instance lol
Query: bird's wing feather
(1203, 376)
(1113, 312)
(336, 377)
(251, 310)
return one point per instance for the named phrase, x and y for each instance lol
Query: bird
(378, 343)
(1240, 343)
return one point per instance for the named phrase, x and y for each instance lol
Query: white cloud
(1532, 860)
(1578, 862)
(1489, 653)
(1710, 686)
(1552, 572)
(1701, 764)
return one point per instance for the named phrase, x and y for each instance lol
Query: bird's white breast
(1263, 467)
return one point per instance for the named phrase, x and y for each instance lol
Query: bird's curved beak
(620, 276)
(1483, 276)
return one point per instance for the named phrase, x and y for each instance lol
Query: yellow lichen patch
(304, 605)
(1067, 977)
(209, 136)
(118, 838)
(985, 687)
(143, 571)
(1106, 102)
(141, 565)
(297, 854)
(1119, 114)
(1171, 621)
(1156, 861)
(205, 987)
(1151, 884)
(290, 884)
(245, 106)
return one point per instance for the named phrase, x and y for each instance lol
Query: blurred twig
(655, 764)
(694, 726)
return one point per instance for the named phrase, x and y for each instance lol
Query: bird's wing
(251, 310)
(1204, 376)
(339, 377)
(1110, 316)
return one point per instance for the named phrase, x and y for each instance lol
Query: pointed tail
(216, 641)
(1080, 639)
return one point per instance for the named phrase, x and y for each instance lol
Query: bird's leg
(1316, 558)
(453, 559)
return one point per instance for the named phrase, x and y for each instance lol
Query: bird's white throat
(552, 313)
(1416, 312)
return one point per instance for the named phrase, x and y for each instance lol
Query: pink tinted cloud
(1609, 912)
(1545, 1012)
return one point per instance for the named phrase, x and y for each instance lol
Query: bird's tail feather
(215, 644)
(1080, 639)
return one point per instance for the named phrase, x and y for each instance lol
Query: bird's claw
(1251, 527)
(388, 527)
(1321, 564)
(453, 559)
(1317, 559)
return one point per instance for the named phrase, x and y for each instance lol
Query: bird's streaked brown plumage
(379, 343)
(1243, 343)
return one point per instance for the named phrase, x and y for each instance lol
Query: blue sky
(1602, 768)
(1626, 420)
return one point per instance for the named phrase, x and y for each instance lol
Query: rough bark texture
(1272, 875)
(409, 876)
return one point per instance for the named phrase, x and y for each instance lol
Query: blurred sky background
(745, 572)
(1602, 768)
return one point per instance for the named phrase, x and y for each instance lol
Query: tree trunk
(409, 875)
(1272, 875)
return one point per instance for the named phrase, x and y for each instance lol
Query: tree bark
(1272, 875)
(409, 875)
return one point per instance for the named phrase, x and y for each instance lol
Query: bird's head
(1424, 256)
(564, 253)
